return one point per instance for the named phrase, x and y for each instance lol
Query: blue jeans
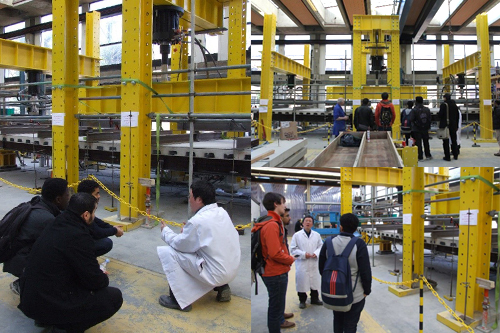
(346, 322)
(276, 288)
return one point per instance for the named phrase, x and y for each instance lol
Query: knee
(116, 298)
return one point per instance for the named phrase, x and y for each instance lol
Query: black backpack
(336, 282)
(349, 140)
(385, 115)
(258, 262)
(421, 119)
(10, 226)
(405, 122)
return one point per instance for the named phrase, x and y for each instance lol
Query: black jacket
(364, 115)
(496, 117)
(415, 113)
(453, 110)
(31, 229)
(62, 272)
(100, 229)
(362, 259)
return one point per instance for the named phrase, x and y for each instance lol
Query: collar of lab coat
(206, 207)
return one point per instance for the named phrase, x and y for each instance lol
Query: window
(338, 57)
(104, 4)
(461, 51)
(111, 30)
(14, 27)
(111, 54)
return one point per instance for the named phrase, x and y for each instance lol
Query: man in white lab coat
(205, 255)
(305, 248)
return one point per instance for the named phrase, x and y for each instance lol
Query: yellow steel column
(135, 155)
(266, 77)
(306, 80)
(476, 200)
(346, 190)
(444, 171)
(358, 76)
(446, 62)
(64, 98)
(485, 115)
(237, 37)
(395, 80)
(92, 49)
(363, 69)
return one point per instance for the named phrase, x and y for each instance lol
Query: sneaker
(223, 294)
(429, 157)
(302, 305)
(288, 315)
(168, 302)
(420, 159)
(288, 324)
(497, 154)
(14, 286)
(316, 302)
(447, 159)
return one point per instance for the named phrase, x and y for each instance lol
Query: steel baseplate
(446, 318)
(124, 222)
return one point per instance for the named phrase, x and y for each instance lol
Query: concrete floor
(136, 270)
(469, 156)
(383, 312)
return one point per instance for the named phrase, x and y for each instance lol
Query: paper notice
(58, 119)
(465, 216)
(407, 218)
(130, 119)
(395, 101)
(262, 109)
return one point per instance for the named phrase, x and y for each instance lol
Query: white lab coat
(205, 255)
(306, 270)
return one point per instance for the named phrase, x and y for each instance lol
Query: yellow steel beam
(306, 80)
(92, 44)
(369, 23)
(346, 175)
(202, 104)
(470, 63)
(209, 13)
(286, 65)
(237, 37)
(22, 56)
(135, 153)
(413, 224)
(446, 61)
(267, 77)
(373, 92)
(64, 99)
(485, 112)
(445, 207)
(393, 75)
(476, 200)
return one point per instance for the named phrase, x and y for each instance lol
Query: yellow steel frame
(286, 65)
(306, 79)
(209, 13)
(334, 92)
(65, 99)
(413, 233)
(237, 37)
(453, 207)
(22, 56)
(135, 150)
(92, 44)
(346, 177)
(474, 242)
(384, 25)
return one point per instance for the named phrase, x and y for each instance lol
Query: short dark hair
(447, 96)
(87, 186)
(409, 104)
(365, 101)
(271, 198)
(204, 190)
(385, 95)
(349, 222)
(308, 217)
(419, 100)
(53, 188)
(80, 203)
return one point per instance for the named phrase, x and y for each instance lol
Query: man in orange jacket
(278, 261)
(385, 114)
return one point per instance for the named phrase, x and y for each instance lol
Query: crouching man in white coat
(205, 255)
(305, 248)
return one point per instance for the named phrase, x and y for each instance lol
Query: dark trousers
(303, 296)
(420, 136)
(276, 288)
(454, 147)
(346, 322)
(407, 137)
(385, 128)
(103, 305)
(102, 246)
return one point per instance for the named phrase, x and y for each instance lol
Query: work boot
(302, 305)
(497, 154)
(316, 302)
(223, 293)
(288, 315)
(14, 286)
(171, 303)
(288, 324)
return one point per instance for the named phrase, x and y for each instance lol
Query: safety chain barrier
(467, 327)
(314, 129)
(29, 189)
(395, 283)
(255, 124)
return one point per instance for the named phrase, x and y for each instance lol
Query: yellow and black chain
(395, 283)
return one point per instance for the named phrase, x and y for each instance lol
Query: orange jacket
(378, 109)
(274, 251)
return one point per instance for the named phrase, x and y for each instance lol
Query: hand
(364, 295)
(163, 225)
(182, 229)
(308, 255)
(313, 255)
(119, 231)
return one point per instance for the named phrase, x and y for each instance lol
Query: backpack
(10, 226)
(336, 282)
(385, 115)
(405, 122)
(349, 140)
(258, 262)
(421, 119)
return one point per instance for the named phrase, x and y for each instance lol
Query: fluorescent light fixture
(336, 77)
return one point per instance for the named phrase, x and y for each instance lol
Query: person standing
(420, 119)
(385, 114)
(339, 117)
(496, 122)
(359, 261)
(277, 260)
(448, 117)
(363, 117)
(305, 248)
(405, 121)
